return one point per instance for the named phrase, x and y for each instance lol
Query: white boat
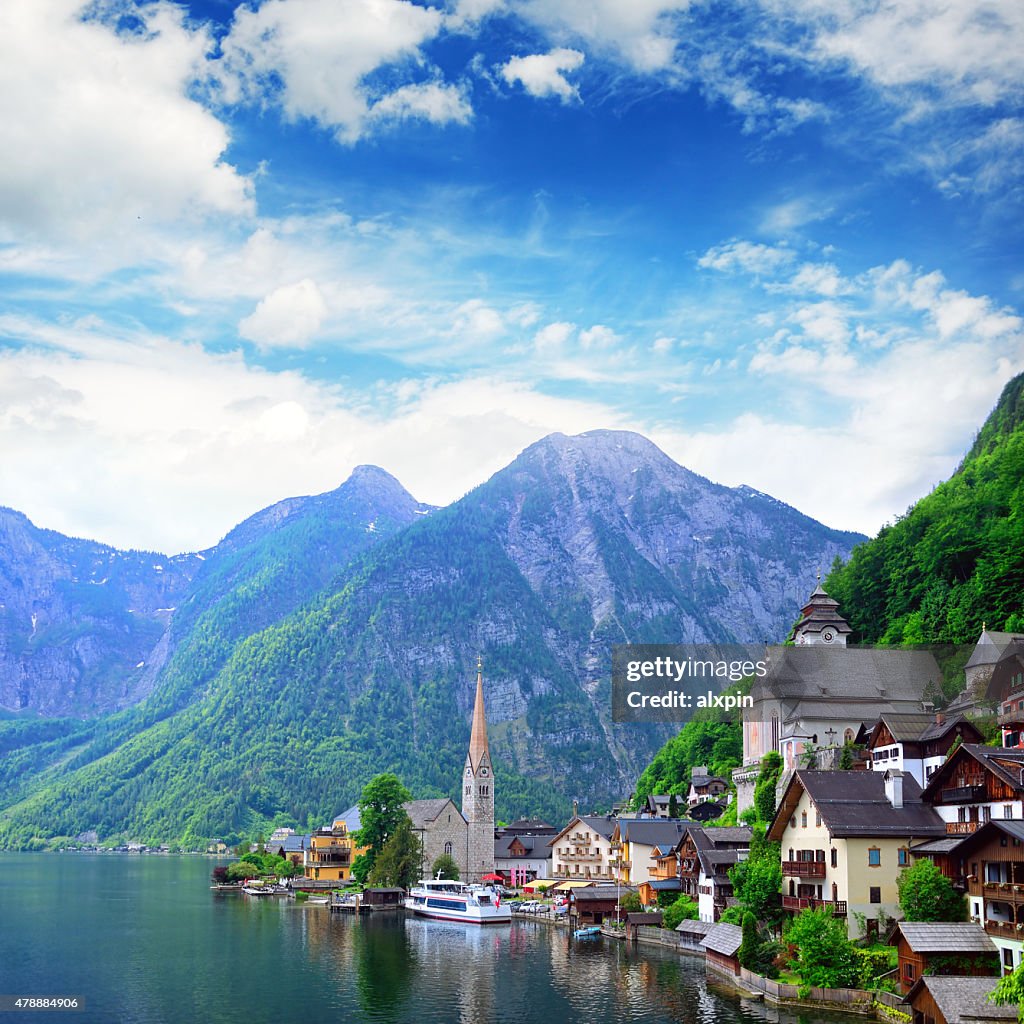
(446, 900)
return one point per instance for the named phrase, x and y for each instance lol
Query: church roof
(882, 678)
(422, 812)
(991, 646)
(478, 737)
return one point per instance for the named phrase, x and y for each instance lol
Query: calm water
(143, 939)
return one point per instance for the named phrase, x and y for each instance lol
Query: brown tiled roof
(724, 938)
(963, 999)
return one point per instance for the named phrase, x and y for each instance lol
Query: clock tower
(820, 622)
(478, 792)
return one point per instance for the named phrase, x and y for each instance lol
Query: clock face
(828, 636)
(483, 771)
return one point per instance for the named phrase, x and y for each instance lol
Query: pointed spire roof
(478, 737)
(821, 612)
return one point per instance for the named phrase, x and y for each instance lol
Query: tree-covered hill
(955, 561)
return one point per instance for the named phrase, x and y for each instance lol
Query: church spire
(478, 737)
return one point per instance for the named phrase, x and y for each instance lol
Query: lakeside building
(705, 787)
(956, 1000)
(941, 948)
(845, 837)
(522, 857)
(640, 842)
(583, 849)
(478, 793)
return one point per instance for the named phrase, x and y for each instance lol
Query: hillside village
(865, 780)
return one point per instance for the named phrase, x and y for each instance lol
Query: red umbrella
(494, 878)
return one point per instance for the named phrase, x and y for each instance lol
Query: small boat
(257, 890)
(447, 900)
(586, 933)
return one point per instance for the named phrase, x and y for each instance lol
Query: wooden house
(941, 948)
(956, 1000)
(722, 947)
(992, 861)
(917, 743)
(976, 784)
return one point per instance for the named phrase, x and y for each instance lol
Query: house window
(817, 817)
(448, 848)
(1007, 957)
(986, 813)
(903, 857)
(908, 971)
(803, 819)
(1007, 810)
(835, 857)
(874, 857)
(792, 822)
(875, 894)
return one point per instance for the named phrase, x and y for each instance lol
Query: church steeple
(478, 751)
(820, 622)
(478, 791)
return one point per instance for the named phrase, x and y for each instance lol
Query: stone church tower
(478, 792)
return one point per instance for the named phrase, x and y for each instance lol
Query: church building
(478, 793)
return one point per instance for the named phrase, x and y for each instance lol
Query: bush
(827, 957)
(683, 909)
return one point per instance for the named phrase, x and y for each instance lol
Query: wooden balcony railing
(961, 828)
(804, 868)
(803, 902)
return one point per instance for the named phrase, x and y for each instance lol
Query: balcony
(803, 902)
(1007, 892)
(1005, 928)
(1011, 716)
(964, 794)
(804, 868)
(961, 828)
(582, 855)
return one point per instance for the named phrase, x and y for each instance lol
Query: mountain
(78, 620)
(285, 709)
(953, 563)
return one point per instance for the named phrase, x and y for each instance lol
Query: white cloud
(313, 57)
(598, 337)
(553, 337)
(101, 130)
(426, 101)
(641, 33)
(541, 74)
(151, 443)
(289, 316)
(749, 257)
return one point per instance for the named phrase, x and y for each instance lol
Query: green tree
(1009, 990)
(847, 758)
(398, 863)
(445, 864)
(673, 806)
(682, 909)
(764, 788)
(748, 950)
(630, 903)
(826, 956)
(927, 895)
(757, 881)
(381, 811)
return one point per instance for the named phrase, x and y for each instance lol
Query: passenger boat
(446, 900)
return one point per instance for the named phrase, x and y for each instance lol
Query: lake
(143, 939)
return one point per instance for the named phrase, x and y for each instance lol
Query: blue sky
(246, 248)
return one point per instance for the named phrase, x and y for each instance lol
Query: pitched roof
(879, 678)
(478, 735)
(423, 812)
(918, 727)
(724, 938)
(854, 804)
(535, 846)
(1006, 763)
(295, 844)
(991, 646)
(963, 999)
(695, 927)
(663, 832)
(945, 937)
(350, 817)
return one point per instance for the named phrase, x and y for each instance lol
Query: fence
(855, 1000)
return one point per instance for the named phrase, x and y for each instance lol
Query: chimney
(894, 787)
(575, 808)
(940, 718)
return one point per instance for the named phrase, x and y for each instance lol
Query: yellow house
(845, 838)
(331, 851)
